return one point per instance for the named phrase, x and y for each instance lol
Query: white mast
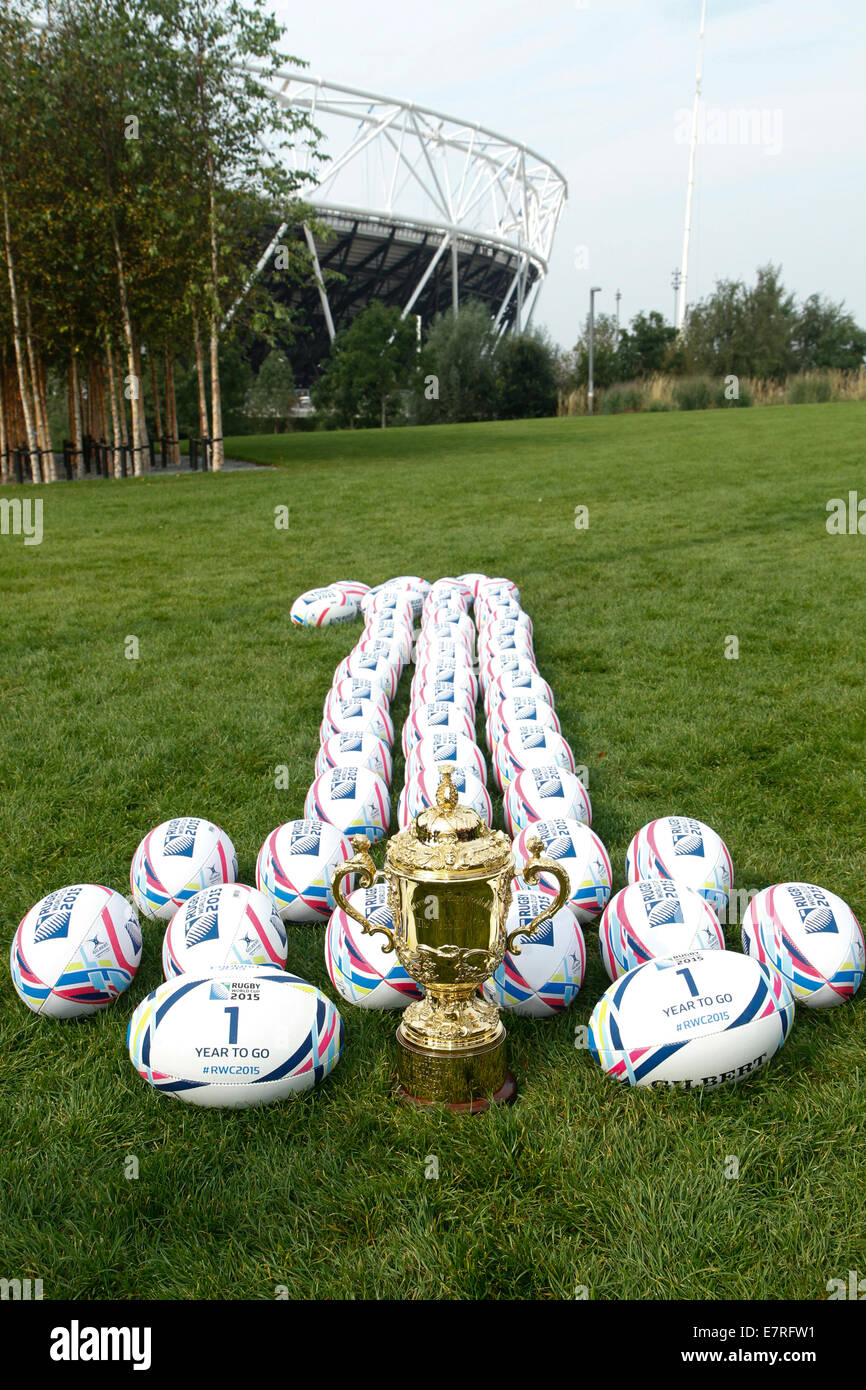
(688, 222)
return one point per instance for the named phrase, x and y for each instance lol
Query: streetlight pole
(676, 281)
(596, 289)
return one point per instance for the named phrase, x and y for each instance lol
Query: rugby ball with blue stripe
(812, 937)
(235, 1038)
(544, 973)
(703, 1018)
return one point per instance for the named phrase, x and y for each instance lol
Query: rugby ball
(224, 927)
(520, 709)
(704, 1018)
(361, 968)
(446, 717)
(353, 799)
(529, 745)
(685, 849)
(235, 1038)
(177, 859)
(455, 750)
(812, 937)
(75, 951)
(473, 582)
(356, 750)
(544, 974)
(295, 866)
(322, 607)
(356, 717)
(583, 856)
(545, 793)
(652, 918)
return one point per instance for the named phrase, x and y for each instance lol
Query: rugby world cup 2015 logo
(547, 781)
(179, 837)
(531, 738)
(436, 714)
(305, 837)
(528, 906)
(351, 743)
(444, 748)
(343, 783)
(558, 843)
(815, 912)
(686, 836)
(54, 915)
(661, 902)
(202, 922)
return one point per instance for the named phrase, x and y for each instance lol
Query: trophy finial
(446, 792)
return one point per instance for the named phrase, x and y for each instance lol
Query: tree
(825, 336)
(525, 376)
(646, 348)
(372, 359)
(457, 378)
(606, 339)
(273, 391)
(742, 331)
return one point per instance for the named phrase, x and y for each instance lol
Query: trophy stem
(465, 1081)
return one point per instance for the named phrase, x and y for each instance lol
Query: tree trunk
(43, 406)
(75, 416)
(117, 439)
(199, 371)
(40, 419)
(171, 424)
(4, 437)
(26, 407)
(142, 418)
(133, 391)
(216, 404)
(156, 410)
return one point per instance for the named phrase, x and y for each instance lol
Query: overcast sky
(598, 87)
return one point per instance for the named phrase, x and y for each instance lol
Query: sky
(600, 88)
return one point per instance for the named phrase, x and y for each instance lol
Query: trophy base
(464, 1082)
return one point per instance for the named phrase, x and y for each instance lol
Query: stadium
(414, 208)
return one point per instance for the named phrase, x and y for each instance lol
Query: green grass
(701, 526)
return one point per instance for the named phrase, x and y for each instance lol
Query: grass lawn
(701, 527)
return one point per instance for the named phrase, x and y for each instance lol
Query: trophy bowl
(449, 889)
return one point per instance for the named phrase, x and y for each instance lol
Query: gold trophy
(449, 889)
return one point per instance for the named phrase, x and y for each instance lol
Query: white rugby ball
(224, 927)
(547, 792)
(473, 581)
(177, 859)
(529, 745)
(685, 849)
(454, 750)
(812, 937)
(296, 864)
(75, 951)
(699, 1019)
(362, 970)
(444, 693)
(655, 917)
(522, 680)
(436, 673)
(322, 607)
(235, 1038)
(519, 709)
(545, 976)
(376, 660)
(446, 717)
(353, 799)
(583, 856)
(356, 750)
(356, 717)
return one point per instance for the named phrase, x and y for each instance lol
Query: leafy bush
(621, 398)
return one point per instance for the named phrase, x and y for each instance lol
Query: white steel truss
(398, 164)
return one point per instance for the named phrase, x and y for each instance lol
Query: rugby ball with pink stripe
(583, 856)
(812, 938)
(226, 926)
(296, 864)
(353, 799)
(543, 974)
(685, 849)
(652, 918)
(545, 793)
(361, 967)
(177, 859)
(75, 951)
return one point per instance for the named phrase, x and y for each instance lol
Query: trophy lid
(449, 839)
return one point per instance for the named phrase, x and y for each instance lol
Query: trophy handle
(362, 865)
(532, 870)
